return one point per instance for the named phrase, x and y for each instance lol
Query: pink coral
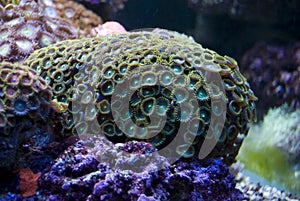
(109, 27)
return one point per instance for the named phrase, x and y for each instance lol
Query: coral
(24, 110)
(83, 19)
(26, 27)
(6, 2)
(164, 76)
(76, 174)
(274, 72)
(28, 182)
(277, 136)
(109, 27)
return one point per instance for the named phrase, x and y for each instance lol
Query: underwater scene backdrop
(149, 100)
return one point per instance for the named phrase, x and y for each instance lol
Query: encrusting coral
(167, 74)
(25, 27)
(24, 110)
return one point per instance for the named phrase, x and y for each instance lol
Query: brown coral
(83, 19)
(25, 28)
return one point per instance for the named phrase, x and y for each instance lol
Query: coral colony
(86, 109)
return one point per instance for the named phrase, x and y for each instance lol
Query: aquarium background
(262, 36)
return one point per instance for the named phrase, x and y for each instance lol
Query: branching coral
(160, 74)
(26, 27)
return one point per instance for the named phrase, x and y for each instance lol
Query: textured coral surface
(25, 28)
(168, 75)
(80, 17)
(24, 109)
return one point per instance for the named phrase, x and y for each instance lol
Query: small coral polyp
(24, 100)
(26, 27)
(146, 85)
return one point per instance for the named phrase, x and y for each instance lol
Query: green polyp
(20, 107)
(180, 81)
(63, 66)
(107, 88)
(204, 114)
(202, 94)
(123, 69)
(166, 92)
(166, 78)
(82, 88)
(63, 99)
(75, 107)
(47, 63)
(129, 130)
(59, 88)
(5, 49)
(234, 108)
(185, 112)
(134, 82)
(229, 85)
(162, 106)
(180, 95)
(149, 79)
(147, 106)
(147, 92)
(197, 126)
(104, 106)
(177, 69)
(185, 150)
(46, 40)
(81, 128)
(109, 129)
(90, 112)
(28, 31)
(232, 132)
(4, 35)
(108, 73)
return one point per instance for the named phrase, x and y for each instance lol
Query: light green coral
(85, 74)
(272, 148)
